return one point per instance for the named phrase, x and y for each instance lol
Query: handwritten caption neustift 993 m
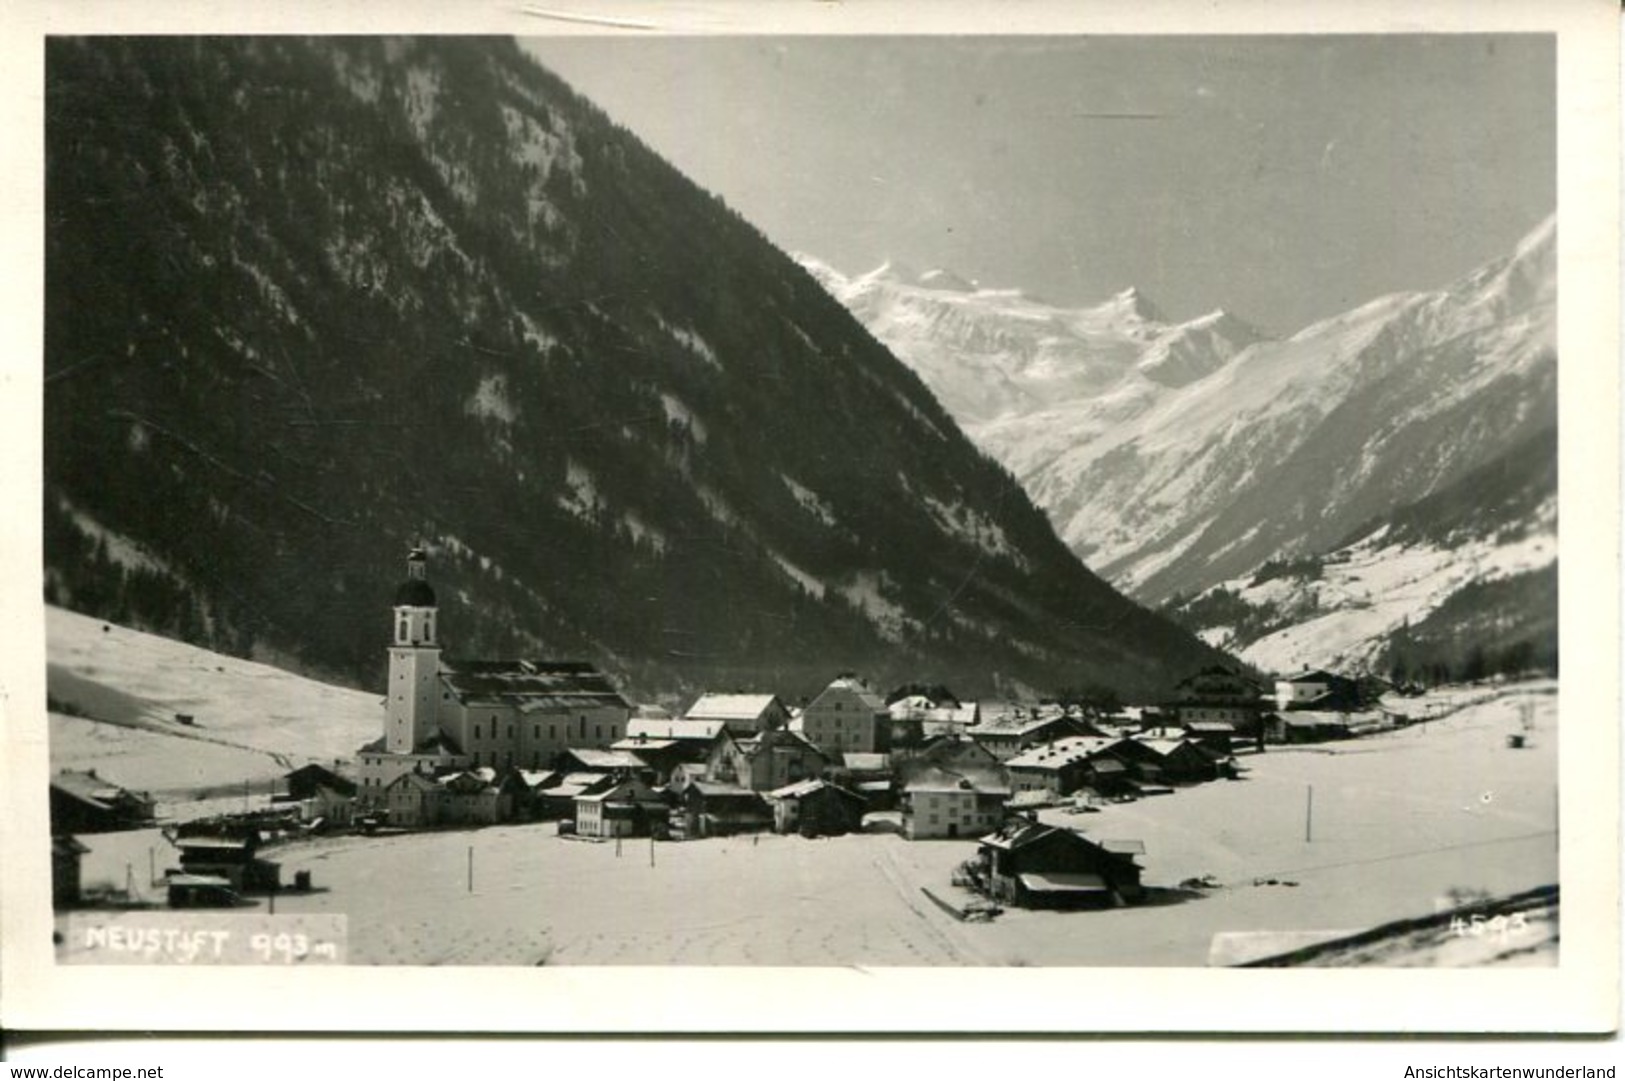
(204, 938)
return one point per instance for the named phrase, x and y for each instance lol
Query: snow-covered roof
(796, 789)
(661, 728)
(86, 787)
(536, 777)
(1016, 724)
(573, 784)
(232, 844)
(937, 779)
(858, 689)
(799, 789)
(864, 761)
(1164, 747)
(1124, 847)
(718, 790)
(643, 743)
(1212, 727)
(618, 791)
(595, 759)
(730, 707)
(1062, 752)
(1309, 675)
(910, 706)
(778, 738)
(529, 685)
(1314, 718)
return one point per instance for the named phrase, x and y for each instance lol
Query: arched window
(400, 631)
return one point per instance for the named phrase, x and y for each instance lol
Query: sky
(1285, 179)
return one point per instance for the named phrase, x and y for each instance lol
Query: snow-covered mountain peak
(1134, 304)
(890, 272)
(1193, 350)
(946, 281)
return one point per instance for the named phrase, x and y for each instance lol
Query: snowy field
(253, 722)
(1399, 820)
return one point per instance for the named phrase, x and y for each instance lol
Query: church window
(400, 632)
(476, 731)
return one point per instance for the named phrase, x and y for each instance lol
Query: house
(950, 720)
(743, 715)
(915, 719)
(1305, 726)
(869, 775)
(661, 757)
(847, 716)
(816, 808)
(1014, 729)
(1029, 864)
(665, 744)
(328, 806)
(1183, 761)
(82, 802)
(379, 766)
(938, 802)
(303, 782)
(1216, 736)
(235, 859)
(480, 797)
(412, 801)
(558, 799)
(200, 891)
(1317, 689)
(769, 760)
(66, 854)
(948, 752)
(1066, 765)
(528, 806)
(1315, 726)
(444, 714)
(1218, 693)
(712, 809)
(626, 808)
(620, 763)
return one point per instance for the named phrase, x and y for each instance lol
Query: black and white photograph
(1050, 505)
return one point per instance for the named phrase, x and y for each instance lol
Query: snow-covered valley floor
(1399, 820)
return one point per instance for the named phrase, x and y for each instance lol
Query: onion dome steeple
(415, 591)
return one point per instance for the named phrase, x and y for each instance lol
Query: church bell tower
(414, 662)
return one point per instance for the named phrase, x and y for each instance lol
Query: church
(442, 714)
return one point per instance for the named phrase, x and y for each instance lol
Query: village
(532, 746)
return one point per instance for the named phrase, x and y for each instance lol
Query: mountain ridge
(1168, 485)
(374, 293)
